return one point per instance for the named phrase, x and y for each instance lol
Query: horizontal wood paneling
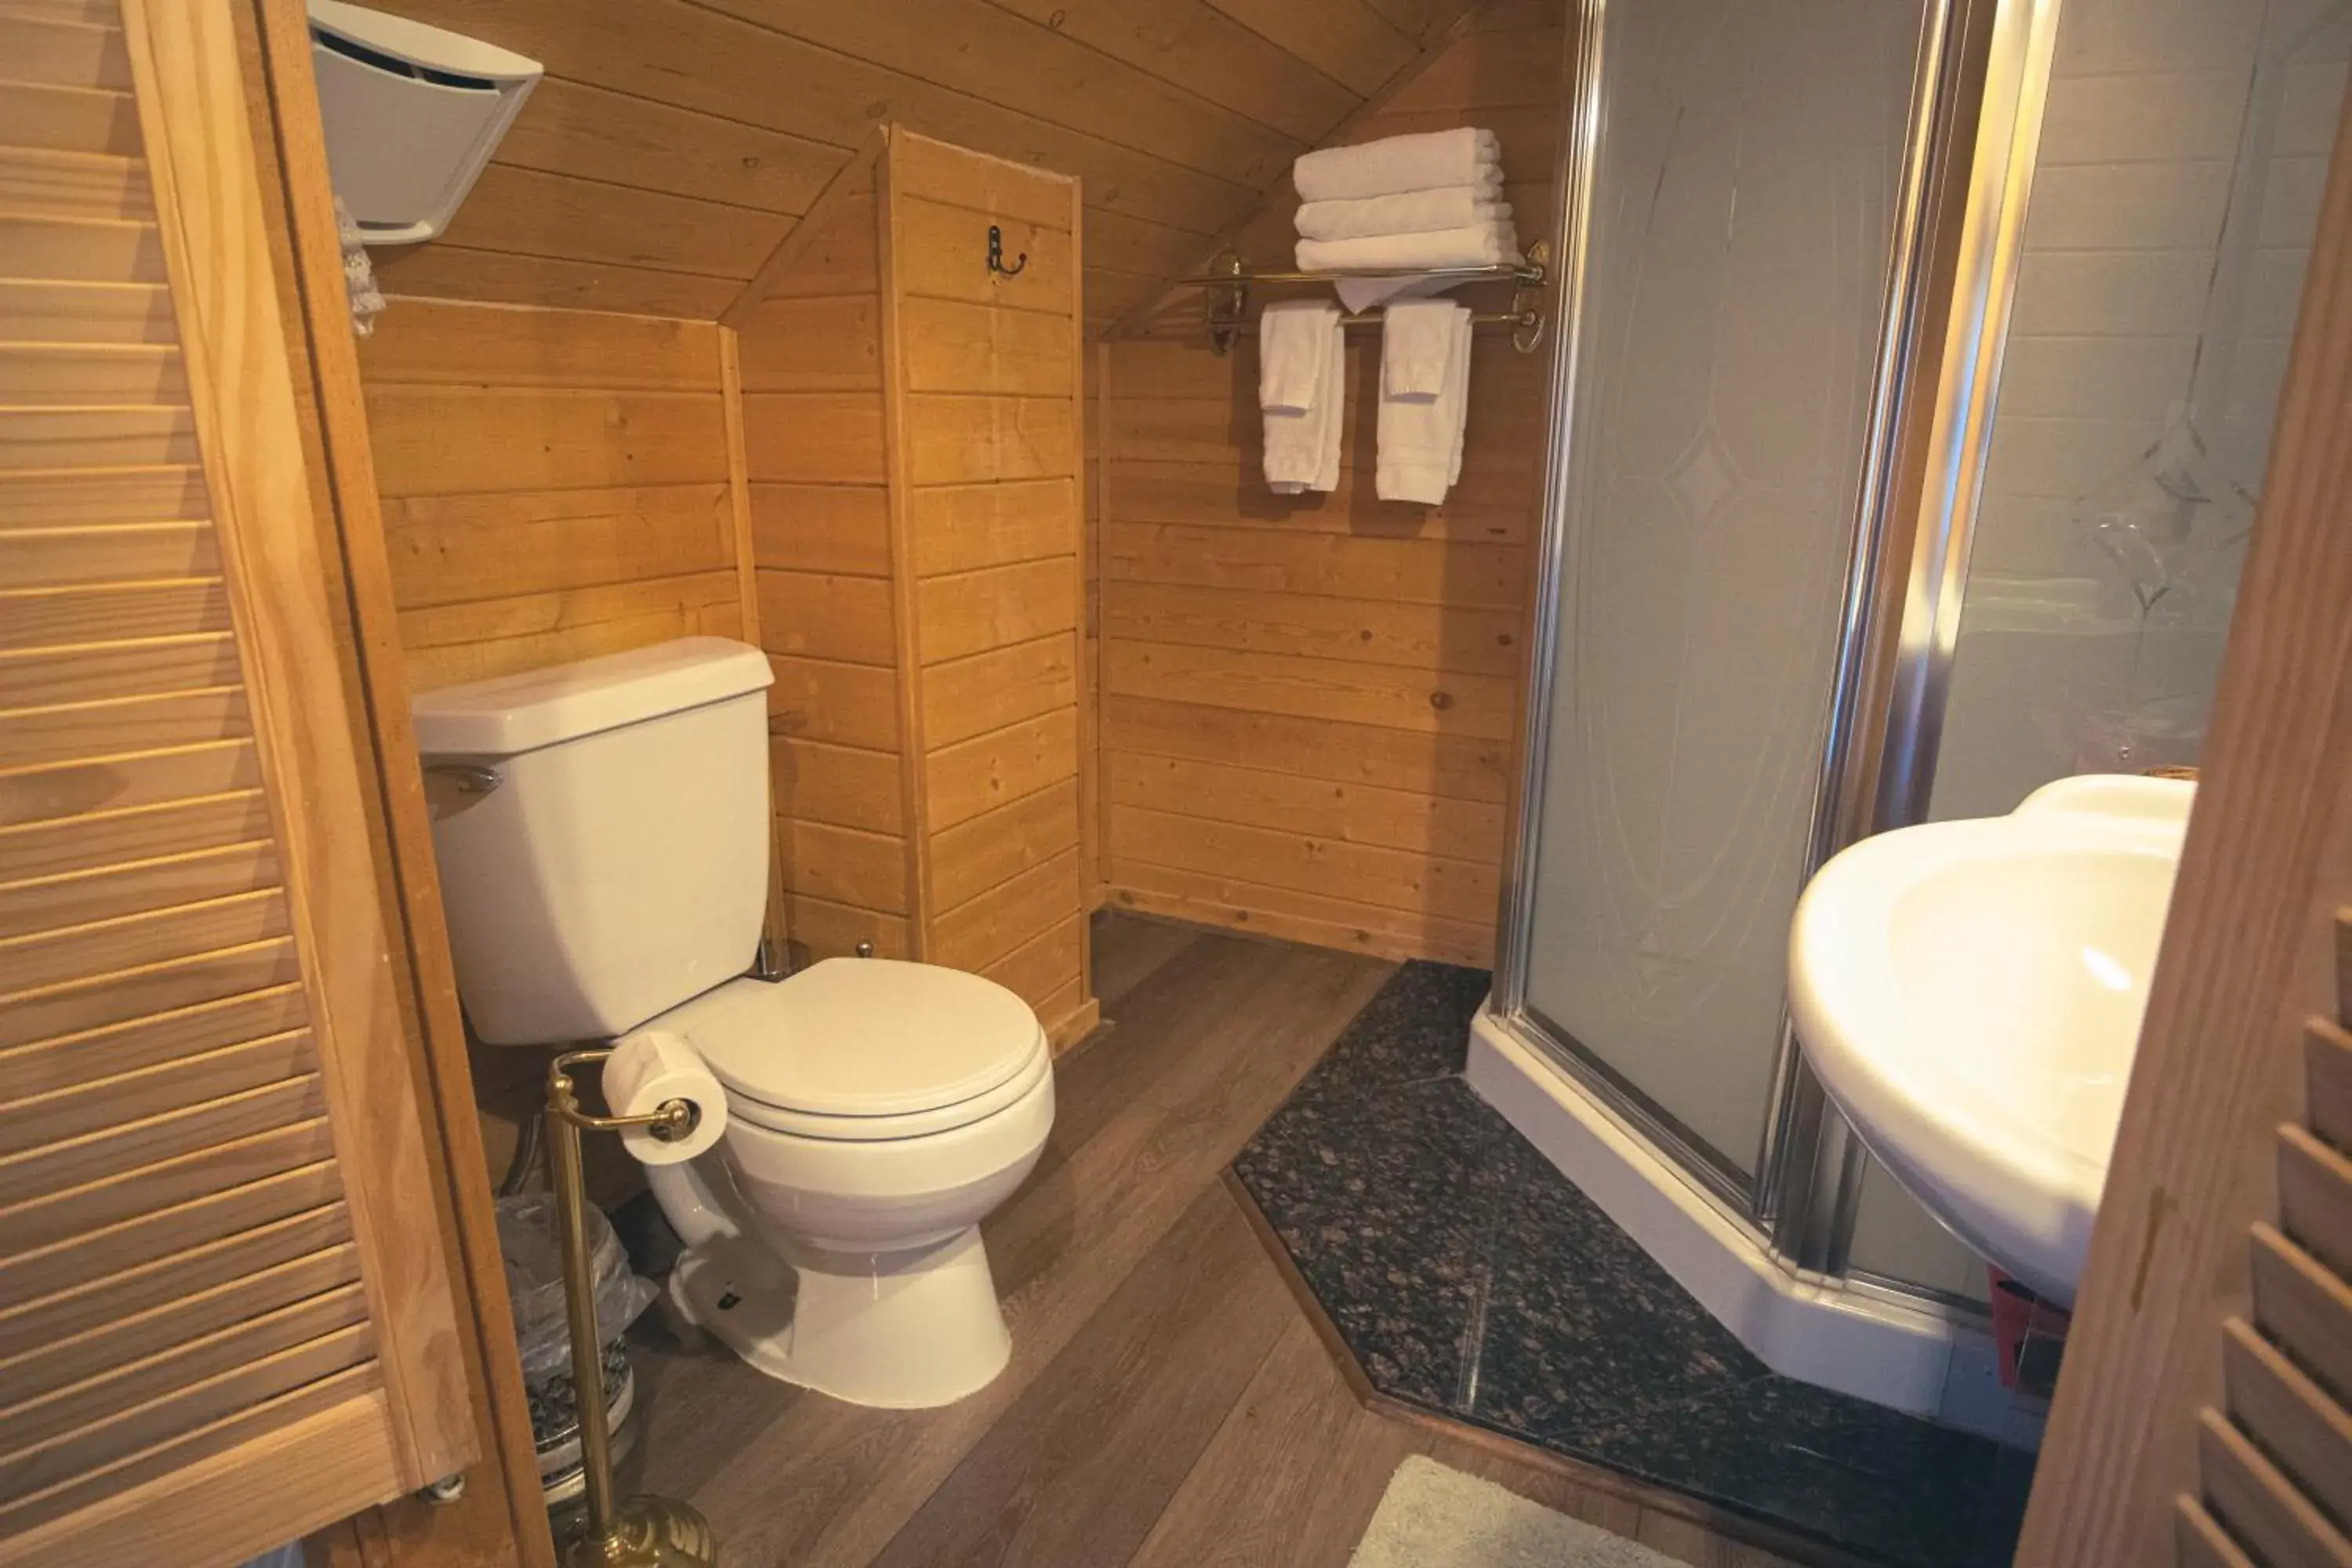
(671, 139)
(972, 776)
(997, 845)
(847, 786)
(556, 484)
(967, 697)
(1309, 702)
(822, 528)
(962, 528)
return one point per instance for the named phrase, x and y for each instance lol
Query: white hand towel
(1302, 445)
(1417, 341)
(1418, 162)
(1412, 212)
(1461, 380)
(1419, 439)
(1290, 354)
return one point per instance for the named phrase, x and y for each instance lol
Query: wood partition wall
(911, 418)
(1308, 703)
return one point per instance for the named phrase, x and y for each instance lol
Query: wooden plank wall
(556, 484)
(813, 437)
(1308, 703)
(911, 420)
(674, 142)
(163, 1132)
(989, 413)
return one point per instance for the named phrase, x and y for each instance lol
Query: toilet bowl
(601, 830)
(876, 1112)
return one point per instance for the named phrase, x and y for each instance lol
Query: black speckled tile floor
(1470, 1277)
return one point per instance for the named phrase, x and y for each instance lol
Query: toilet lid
(868, 1037)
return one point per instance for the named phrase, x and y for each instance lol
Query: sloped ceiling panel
(675, 142)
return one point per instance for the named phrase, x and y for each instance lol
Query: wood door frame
(500, 1516)
(2245, 959)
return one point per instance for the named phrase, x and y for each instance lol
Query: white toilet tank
(618, 864)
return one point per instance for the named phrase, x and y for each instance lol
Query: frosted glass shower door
(1747, 171)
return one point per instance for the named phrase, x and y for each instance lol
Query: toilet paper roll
(648, 1068)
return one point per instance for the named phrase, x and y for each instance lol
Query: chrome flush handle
(471, 778)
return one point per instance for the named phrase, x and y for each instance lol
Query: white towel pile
(1429, 201)
(1302, 363)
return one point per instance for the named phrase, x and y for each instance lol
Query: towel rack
(1229, 279)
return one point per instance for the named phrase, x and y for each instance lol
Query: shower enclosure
(1911, 407)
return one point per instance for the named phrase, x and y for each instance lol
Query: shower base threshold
(1851, 1339)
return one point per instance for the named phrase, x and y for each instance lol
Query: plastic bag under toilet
(533, 1249)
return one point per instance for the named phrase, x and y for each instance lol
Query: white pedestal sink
(1970, 992)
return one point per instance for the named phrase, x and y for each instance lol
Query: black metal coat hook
(996, 254)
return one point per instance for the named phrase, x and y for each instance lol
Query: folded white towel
(1419, 438)
(1479, 244)
(1417, 339)
(1302, 445)
(1482, 246)
(1290, 354)
(1418, 162)
(1410, 211)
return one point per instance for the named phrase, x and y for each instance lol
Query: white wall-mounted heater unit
(412, 113)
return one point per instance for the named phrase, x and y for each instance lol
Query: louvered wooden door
(2274, 1460)
(225, 1315)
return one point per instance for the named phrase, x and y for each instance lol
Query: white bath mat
(1433, 1517)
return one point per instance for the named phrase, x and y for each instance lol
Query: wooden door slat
(2305, 1309)
(168, 1135)
(68, 843)
(59, 1219)
(176, 1413)
(169, 1242)
(84, 955)
(110, 1392)
(126, 1097)
(189, 1448)
(2200, 1541)
(115, 893)
(68, 1062)
(131, 550)
(2305, 1431)
(2260, 1506)
(2328, 1082)
(157, 1323)
(2316, 1197)
(82, 731)
(155, 988)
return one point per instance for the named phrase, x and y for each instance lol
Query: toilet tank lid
(509, 714)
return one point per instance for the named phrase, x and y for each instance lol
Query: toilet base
(896, 1330)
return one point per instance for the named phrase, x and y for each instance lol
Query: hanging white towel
(1410, 211)
(1290, 354)
(1421, 438)
(1417, 339)
(1421, 163)
(1302, 443)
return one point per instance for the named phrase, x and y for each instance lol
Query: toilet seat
(866, 1050)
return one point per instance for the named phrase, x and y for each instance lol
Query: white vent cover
(412, 113)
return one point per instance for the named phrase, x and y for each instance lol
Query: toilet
(602, 833)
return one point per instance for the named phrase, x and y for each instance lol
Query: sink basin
(1970, 994)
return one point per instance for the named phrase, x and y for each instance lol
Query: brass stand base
(649, 1533)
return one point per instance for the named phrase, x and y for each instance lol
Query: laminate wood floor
(1169, 1404)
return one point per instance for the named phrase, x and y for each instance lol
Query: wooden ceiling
(674, 142)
